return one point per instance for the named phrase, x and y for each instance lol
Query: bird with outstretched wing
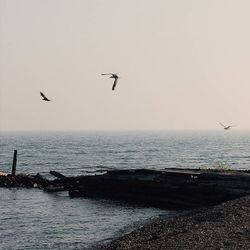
(226, 127)
(115, 76)
(44, 97)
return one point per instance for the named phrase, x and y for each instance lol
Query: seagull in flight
(115, 76)
(44, 97)
(227, 127)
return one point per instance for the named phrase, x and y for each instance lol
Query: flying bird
(44, 97)
(115, 76)
(227, 127)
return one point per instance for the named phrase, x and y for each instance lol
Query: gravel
(225, 226)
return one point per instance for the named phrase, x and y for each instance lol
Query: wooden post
(14, 163)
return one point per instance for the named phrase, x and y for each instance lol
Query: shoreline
(224, 226)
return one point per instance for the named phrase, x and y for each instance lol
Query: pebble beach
(224, 226)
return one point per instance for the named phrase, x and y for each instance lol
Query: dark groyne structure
(169, 188)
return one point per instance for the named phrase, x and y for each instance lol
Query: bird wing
(222, 125)
(42, 95)
(104, 74)
(114, 84)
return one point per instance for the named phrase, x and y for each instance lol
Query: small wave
(103, 167)
(80, 153)
(94, 171)
(131, 151)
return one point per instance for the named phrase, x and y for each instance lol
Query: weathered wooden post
(14, 163)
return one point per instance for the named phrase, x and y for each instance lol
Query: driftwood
(57, 174)
(62, 183)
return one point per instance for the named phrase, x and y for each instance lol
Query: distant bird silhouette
(44, 97)
(227, 127)
(115, 76)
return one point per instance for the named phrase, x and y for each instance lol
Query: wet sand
(225, 226)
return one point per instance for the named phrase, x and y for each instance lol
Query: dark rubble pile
(225, 226)
(23, 180)
(37, 181)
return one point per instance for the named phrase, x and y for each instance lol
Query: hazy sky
(184, 64)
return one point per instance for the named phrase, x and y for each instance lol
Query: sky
(183, 64)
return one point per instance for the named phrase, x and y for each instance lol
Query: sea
(33, 219)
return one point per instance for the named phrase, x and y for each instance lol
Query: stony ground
(225, 226)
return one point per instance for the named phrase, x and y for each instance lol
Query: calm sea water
(32, 219)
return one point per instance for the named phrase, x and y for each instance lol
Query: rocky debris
(23, 180)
